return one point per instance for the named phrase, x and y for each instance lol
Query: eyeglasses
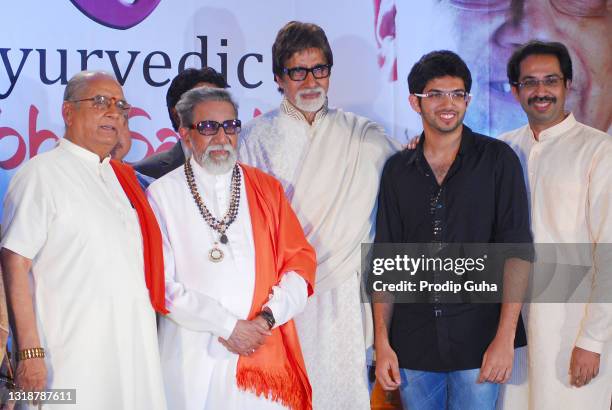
(300, 73)
(578, 8)
(532, 83)
(210, 128)
(438, 96)
(102, 102)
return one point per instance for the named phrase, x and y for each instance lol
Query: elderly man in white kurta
(569, 170)
(329, 162)
(237, 267)
(72, 258)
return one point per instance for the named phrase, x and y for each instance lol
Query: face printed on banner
(92, 124)
(441, 113)
(307, 95)
(489, 31)
(384, 30)
(216, 153)
(541, 90)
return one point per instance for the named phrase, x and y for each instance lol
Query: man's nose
(113, 110)
(525, 21)
(541, 89)
(221, 137)
(310, 81)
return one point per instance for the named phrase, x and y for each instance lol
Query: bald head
(78, 83)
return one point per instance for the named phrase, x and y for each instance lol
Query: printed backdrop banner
(145, 43)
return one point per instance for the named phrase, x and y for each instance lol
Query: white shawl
(330, 171)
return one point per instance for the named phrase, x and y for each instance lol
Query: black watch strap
(266, 313)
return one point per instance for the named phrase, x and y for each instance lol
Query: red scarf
(277, 369)
(151, 235)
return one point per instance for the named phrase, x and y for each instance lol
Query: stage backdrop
(375, 43)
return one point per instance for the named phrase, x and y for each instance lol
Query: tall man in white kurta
(72, 257)
(569, 170)
(211, 283)
(329, 162)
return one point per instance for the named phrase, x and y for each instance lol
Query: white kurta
(330, 171)
(67, 212)
(206, 299)
(569, 172)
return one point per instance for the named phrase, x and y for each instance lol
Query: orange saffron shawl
(151, 235)
(277, 369)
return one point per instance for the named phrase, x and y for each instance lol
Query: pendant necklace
(218, 225)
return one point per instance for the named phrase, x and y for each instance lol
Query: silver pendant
(215, 254)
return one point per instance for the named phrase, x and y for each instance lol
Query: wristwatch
(266, 313)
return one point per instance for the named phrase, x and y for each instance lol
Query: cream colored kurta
(206, 299)
(569, 171)
(330, 171)
(67, 212)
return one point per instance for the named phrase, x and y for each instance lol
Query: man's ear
(279, 83)
(68, 112)
(415, 103)
(515, 92)
(185, 137)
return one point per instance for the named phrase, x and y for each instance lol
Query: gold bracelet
(31, 353)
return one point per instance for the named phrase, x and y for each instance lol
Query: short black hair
(536, 47)
(185, 81)
(438, 64)
(294, 37)
(195, 96)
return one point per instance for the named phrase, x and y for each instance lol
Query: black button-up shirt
(481, 200)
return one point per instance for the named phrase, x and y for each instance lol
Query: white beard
(310, 105)
(214, 166)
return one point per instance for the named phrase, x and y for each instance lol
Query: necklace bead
(218, 225)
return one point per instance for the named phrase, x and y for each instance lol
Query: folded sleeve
(288, 298)
(29, 210)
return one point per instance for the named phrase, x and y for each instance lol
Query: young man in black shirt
(456, 186)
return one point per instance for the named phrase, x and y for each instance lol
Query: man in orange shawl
(238, 269)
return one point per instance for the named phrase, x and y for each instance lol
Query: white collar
(557, 129)
(291, 111)
(82, 153)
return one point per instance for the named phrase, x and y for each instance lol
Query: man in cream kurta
(67, 214)
(211, 300)
(569, 171)
(329, 162)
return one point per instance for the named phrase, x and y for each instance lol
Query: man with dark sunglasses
(238, 269)
(329, 162)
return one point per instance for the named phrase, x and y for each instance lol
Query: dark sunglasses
(210, 128)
